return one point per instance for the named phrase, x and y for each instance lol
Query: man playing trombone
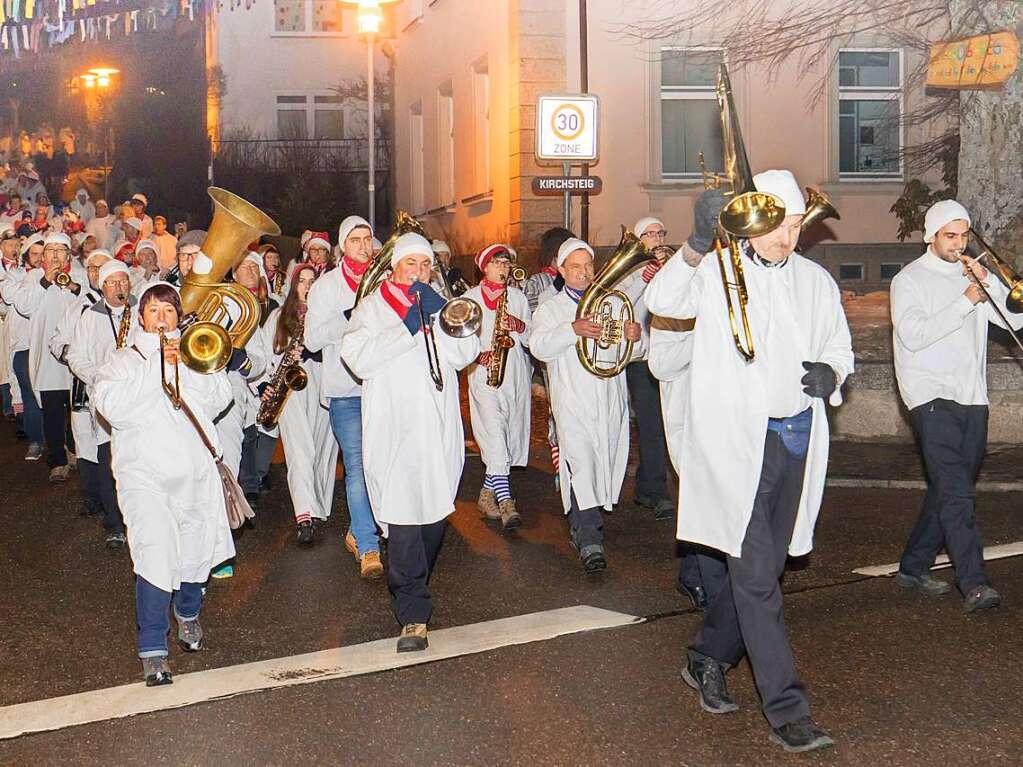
(942, 304)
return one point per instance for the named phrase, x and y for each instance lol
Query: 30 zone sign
(566, 128)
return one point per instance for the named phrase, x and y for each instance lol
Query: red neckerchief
(549, 270)
(353, 271)
(492, 292)
(398, 297)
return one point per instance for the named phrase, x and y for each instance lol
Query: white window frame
(417, 166)
(308, 31)
(446, 192)
(871, 93)
(311, 108)
(481, 127)
(681, 93)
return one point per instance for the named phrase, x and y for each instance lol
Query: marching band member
(38, 297)
(101, 329)
(103, 226)
(304, 424)
(167, 244)
(139, 203)
(940, 318)
(451, 275)
(316, 253)
(329, 299)
(413, 443)
(773, 418)
(168, 485)
(272, 268)
(500, 415)
(592, 413)
(147, 269)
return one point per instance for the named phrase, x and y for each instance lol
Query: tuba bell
(210, 330)
(596, 304)
(378, 270)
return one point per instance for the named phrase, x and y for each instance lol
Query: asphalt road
(897, 679)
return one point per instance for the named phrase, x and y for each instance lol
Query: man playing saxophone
(499, 383)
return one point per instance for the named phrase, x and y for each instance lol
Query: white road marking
(991, 552)
(379, 655)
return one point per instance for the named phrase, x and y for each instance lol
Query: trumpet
(171, 388)
(63, 280)
(501, 341)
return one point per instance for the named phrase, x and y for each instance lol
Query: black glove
(262, 388)
(705, 219)
(239, 358)
(431, 300)
(559, 282)
(820, 380)
(314, 356)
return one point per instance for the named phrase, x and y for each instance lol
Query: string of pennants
(31, 25)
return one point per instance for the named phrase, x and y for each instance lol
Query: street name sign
(559, 185)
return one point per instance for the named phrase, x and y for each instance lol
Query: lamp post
(99, 80)
(370, 15)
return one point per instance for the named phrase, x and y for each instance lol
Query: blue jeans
(6, 404)
(151, 613)
(346, 422)
(32, 420)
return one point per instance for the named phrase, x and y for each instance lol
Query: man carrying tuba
(754, 449)
(592, 412)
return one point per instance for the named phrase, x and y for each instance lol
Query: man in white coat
(755, 446)
(44, 302)
(103, 226)
(330, 301)
(592, 413)
(413, 443)
(172, 497)
(500, 415)
(940, 321)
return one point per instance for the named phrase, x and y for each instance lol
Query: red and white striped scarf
(492, 292)
(353, 271)
(397, 297)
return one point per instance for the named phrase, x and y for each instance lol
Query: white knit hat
(348, 225)
(57, 238)
(783, 185)
(35, 239)
(569, 246)
(98, 253)
(411, 244)
(134, 223)
(941, 213)
(110, 267)
(146, 245)
(645, 223)
(439, 246)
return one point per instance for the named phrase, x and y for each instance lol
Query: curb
(986, 486)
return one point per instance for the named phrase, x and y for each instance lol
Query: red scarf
(353, 271)
(398, 297)
(492, 292)
(550, 270)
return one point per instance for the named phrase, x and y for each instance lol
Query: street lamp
(99, 79)
(370, 14)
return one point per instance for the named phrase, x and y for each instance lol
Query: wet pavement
(895, 678)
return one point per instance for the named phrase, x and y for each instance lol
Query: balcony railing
(323, 155)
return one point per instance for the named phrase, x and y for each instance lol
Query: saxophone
(290, 376)
(125, 326)
(501, 341)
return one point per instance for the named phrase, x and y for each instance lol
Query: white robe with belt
(500, 416)
(671, 351)
(44, 308)
(241, 413)
(591, 413)
(168, 486)
(82, 425)
(413, 445)
(726, 412)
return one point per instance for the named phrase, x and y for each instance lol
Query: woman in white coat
(592, 413)
(413, 443)
(304, 423)
(500, 415)
(168, 486)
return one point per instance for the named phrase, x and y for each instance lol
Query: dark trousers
(411, 553)
(645, 396)
(32, 419)
(952, 438)
(113, 522)
(585, 526)
(702, 567)
(152, 615)
(88, 480)
(747, 616)
(257, 453)
(56, 405)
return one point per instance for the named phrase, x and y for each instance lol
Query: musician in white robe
(592, 413)
(500, 415)
(413, 443)
(17, 326)
(755, 445)
(168, 485)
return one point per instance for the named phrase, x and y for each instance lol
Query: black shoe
(253, 500)
(89, 510)
(305, 533)
(707, 677)
(664, 509)
(925, 584)
(694, 594)
(116, 540)
(264, 484)
(593, 558)
(981, 598)
(20, 434)
(800, 735)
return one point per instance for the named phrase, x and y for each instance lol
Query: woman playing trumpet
(168, 486)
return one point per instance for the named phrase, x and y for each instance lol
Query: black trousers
(747, 616)
(706, 568)
(411, 554)
(88, 481)
(953, 439)
(56, 405)
(645, 396)
(585, 526)
(257, 454)
(113, 522)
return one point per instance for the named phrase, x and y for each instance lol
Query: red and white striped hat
(492, 251)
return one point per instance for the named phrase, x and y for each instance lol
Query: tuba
(210, 331)
(377, 271)
(596, 304)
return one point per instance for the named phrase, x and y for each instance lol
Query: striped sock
(556, 458)
(500, 484)
(305, 516)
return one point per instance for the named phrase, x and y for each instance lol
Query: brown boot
(413, 638)
(487, 504)
(351, 545)
(370, 566)
(510, 518)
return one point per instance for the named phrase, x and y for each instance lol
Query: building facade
(467, 76)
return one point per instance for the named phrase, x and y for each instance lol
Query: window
(302, 117)
(869, 114)
(481, 127)
(850, 272)
(416, 196)
(446, 144)
(311, 17)
(690, 123)
(889, 270)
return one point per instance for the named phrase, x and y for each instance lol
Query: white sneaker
(59, 473)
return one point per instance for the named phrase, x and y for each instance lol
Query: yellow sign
(976, 63)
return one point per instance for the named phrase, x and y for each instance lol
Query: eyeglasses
(659, 234)
(117, 283)
(55, 249)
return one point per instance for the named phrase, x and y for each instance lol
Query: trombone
(1007, 276)
(459, 318)
(171, 389)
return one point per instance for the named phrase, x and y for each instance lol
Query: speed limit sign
(566, 128)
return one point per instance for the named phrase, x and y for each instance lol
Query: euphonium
(596, 304)
(377, 271)
(501, 341)
(290, 376)
(210, 332)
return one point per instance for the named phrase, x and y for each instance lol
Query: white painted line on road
(379, 655)
(990, 552)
